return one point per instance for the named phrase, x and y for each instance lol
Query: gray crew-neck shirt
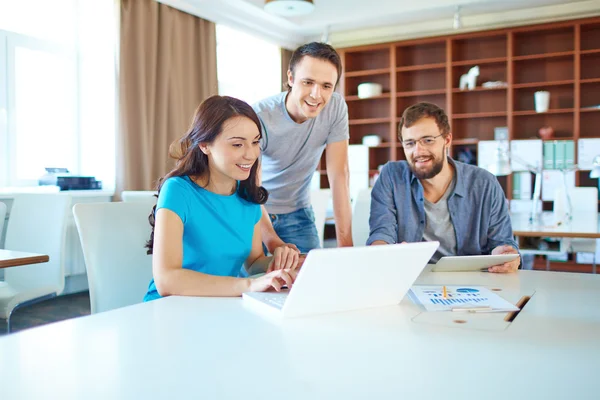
(438, 225)
(291, 152)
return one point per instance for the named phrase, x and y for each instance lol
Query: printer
(66, 181)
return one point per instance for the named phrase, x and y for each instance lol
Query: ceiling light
(457, 21)
(289, 8)
(325, 35)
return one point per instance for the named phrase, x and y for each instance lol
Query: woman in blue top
(205, 225)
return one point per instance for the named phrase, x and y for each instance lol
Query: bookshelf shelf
(365, 121)
(479, 89)
(459, 142)
(384, 145)
(495, 60)
(421, 93)
(422, 67)
(592, 51)
(562, 54)
(367, 72)
(561, 138)
(591, 80)
(543, 84)
(532, 112)
(480, 115)
(356, 98)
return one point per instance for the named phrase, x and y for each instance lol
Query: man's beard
(436, 168)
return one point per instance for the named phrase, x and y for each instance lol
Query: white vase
(542, 101)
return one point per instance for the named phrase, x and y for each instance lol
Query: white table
(9, 258)
(212, 348)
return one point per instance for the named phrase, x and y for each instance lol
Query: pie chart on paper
(467, 290)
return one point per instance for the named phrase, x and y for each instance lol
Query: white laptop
(471, 263)
(349, 278)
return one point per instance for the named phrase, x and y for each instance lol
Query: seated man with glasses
(430, 196)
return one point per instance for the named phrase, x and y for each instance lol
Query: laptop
(471, 263)
(349, 278)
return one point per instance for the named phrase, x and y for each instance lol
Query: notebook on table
(349, 278)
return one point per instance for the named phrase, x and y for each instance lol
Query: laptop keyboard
(276, 300)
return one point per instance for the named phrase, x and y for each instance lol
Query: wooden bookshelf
(562, 58)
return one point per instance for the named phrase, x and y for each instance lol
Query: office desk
(579, 227)
(10, 258)
(582, 226)
(215, 348)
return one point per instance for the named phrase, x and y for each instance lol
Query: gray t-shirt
(291, 151)
(438, 225)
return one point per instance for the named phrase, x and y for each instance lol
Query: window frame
(4, 172)
(11, 41)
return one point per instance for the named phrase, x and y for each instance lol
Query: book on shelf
(548, 155)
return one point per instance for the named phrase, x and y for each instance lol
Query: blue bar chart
(433, 298)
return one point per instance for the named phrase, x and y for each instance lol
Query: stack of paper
(459, 298)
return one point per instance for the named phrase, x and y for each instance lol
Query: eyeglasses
(426, 141)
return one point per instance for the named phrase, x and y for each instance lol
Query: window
(248, 68)
(57, 89)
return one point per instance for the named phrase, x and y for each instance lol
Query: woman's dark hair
(320, 51)
(206, 126)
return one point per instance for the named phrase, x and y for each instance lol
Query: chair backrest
(319, 200)
(112, 238)
(141, 196)
(360, 217)
(38, 224)
(2, 219)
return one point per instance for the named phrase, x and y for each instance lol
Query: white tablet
(471, 263)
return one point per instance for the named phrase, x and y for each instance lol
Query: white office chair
(112, 238)
(2, 219)
(319, 200)
(584, 203)
(361, 209)
(37, 224)
(142, 196)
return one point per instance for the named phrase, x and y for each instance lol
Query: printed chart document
(459, 298)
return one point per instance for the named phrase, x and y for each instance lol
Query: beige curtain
(167, 67)
(286, 55)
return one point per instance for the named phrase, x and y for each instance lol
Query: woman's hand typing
(275, 280)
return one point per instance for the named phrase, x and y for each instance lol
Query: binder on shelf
(487, 151)
(525, 151)
(522, 186)
(569, 153)
(525, 181)
(559, 154)
(587, 149)
(516, 190)
(548, 155)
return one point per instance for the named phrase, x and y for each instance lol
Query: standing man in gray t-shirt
(298, 125)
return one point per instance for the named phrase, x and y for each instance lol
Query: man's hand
(511, 266)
